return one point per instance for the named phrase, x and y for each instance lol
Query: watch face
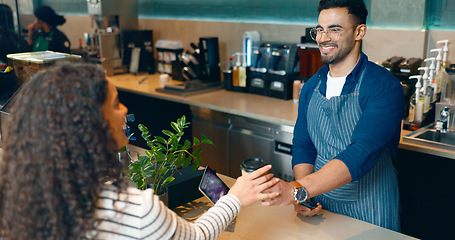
(301, 194)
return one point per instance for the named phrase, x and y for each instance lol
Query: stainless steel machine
(237, 138)
(104, 46)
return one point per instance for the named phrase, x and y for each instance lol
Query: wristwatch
(300, 193)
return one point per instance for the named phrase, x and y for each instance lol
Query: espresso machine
(272, 70)
(104, 45)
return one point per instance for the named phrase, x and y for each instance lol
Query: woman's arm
(140, 214)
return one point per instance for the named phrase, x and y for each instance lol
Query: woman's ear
(360, 31)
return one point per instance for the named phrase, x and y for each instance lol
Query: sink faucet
(445, 119)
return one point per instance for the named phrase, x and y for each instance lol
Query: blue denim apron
(373, 198)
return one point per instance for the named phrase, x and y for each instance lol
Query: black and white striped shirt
(141, 215)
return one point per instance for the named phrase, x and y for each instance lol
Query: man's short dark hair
(355, 7)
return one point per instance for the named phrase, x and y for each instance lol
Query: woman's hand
(31, 31)
(31, 28)
(285, 197)
(249, 188)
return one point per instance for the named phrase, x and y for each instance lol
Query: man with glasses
(348, 126)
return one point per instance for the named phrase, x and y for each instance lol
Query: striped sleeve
(141, 215)
(212, 223)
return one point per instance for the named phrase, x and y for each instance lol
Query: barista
(8, 39)
(43, 33)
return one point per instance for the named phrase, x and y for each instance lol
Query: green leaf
(175, 126)
(180, 159)
(163, 170)
(195, 166)
(160, 139)
(187, 144)
(141, 184)
(134, 168)
(145, 136)
(174, 142)
(168, 133)
(137, 178)
(183, 119)
(149, 170)
(143, 160)
(168, 180)
(149, 154)
(195, 141)
(187, 162)
(197, 161)
(170, 158)
(143, 128)
(197, 152)
(206, 140)
(159, 157)
(159, 147)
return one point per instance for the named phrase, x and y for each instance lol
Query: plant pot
(165, 197)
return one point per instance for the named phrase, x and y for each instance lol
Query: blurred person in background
(8, 38)
(43, 33)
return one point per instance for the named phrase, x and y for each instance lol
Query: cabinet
(426, 194)
(249, 139)
(215, 126)
(237, 138)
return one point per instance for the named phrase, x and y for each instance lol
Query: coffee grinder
(104, 46)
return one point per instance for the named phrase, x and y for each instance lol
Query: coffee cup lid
(251, 164)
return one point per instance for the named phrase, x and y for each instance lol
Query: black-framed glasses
(332, 32)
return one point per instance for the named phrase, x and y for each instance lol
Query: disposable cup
(249, 165)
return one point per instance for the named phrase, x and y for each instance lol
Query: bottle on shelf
(425, 91)
(416, 104)
(239, 71)
(437, 82)
(443, 79)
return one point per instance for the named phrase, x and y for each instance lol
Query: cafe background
(407, 28)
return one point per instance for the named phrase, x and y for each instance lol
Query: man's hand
(306, 211)
(285, 197)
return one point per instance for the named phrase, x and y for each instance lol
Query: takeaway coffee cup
(251, 164)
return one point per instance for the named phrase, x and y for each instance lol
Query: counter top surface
(253, 106)
(271, 223)
(259, 222)
(267, 109)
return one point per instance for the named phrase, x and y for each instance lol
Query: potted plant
(157, 168)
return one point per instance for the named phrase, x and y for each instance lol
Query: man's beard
(331, 59)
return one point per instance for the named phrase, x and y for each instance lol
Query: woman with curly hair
(61, 144)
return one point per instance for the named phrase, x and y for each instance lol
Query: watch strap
(296, 184)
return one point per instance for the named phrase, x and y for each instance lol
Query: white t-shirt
(334, 86)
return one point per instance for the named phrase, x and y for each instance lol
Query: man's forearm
(302, 170)
(332, 176)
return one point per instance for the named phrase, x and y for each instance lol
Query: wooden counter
(253, 106)
(259, 222)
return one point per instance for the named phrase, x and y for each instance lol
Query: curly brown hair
(58, 151)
